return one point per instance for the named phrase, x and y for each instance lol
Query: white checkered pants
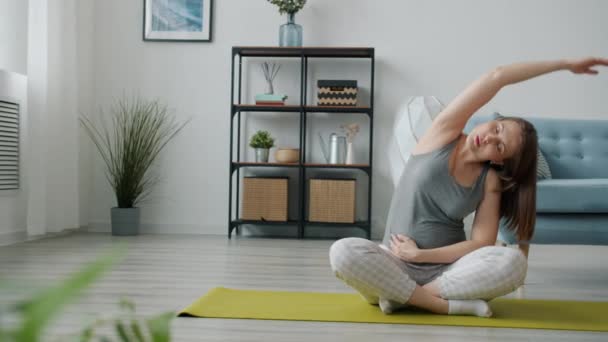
(486, 273)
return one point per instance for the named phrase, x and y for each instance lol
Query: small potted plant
(262, 142)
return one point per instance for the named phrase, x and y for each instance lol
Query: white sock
(475, 307)
(389, 306)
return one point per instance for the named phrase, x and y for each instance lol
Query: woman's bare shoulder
(492, 182)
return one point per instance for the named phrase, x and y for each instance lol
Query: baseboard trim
(222, 229)
(155, 228)
(22, 236)
(11, 238)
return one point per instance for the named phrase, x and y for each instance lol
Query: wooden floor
(168, 272)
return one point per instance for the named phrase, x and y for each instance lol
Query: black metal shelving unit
(237, 107)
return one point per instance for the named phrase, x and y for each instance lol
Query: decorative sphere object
(287, 155)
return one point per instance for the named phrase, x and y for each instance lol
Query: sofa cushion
(575, 149)
(572, 195)
(566, 229)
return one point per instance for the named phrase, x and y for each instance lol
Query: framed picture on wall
(177, 20)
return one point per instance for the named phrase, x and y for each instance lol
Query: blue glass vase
(290, 34)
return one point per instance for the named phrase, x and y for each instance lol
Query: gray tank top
(429, 206)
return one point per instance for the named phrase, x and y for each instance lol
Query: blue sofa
(572, 207)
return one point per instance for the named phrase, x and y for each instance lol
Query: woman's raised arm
(451, 121)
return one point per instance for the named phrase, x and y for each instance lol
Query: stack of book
(270, 99)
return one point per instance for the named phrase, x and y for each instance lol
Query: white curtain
(51, 163)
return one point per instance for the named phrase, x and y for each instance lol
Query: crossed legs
(381, 278)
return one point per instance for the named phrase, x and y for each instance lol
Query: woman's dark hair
(518, 179)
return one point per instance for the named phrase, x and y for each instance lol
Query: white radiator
(9, 143)
(13, 90)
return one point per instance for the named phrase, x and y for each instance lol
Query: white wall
(13, 83)
(62, 128)
(53, 97)
(422, 47)
(13, 35)
(47, 44)
(85, 23)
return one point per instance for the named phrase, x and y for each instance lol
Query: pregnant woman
(425, 260)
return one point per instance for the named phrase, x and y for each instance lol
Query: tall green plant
(139, 130)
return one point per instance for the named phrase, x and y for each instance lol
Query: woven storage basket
(332, 200)
(264, 199)
(336, 93)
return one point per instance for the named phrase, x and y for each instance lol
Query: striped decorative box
(336, 93)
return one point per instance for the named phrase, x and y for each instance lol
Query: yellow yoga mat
(346, 307)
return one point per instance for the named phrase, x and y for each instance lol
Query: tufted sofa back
(574, 148)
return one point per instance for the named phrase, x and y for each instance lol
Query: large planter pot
(125, 221)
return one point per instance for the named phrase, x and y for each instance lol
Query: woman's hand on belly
(404, 248)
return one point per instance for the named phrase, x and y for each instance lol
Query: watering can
(335, 152)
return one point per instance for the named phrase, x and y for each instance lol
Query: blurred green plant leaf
(159, 327)
(86, 335)
(127, 305)
(122, 331)
(137, 331)
(43, 307)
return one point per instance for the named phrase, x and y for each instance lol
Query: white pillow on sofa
(542, 169)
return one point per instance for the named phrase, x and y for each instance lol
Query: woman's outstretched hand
(404, 248)
(584, 65)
